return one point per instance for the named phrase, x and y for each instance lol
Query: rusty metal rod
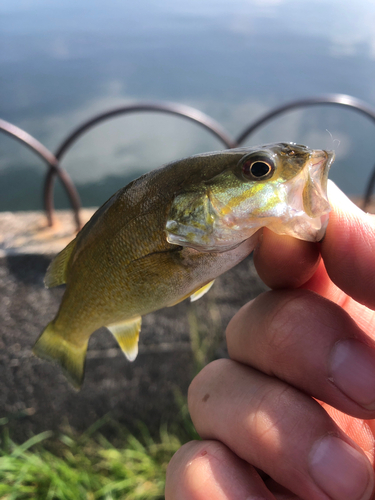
(53, 164)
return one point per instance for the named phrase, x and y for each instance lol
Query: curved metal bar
(369, 190)
(30, 142)
(171, 108)
(72, 192)
(338, 99)
(53, 163)
(335, 99)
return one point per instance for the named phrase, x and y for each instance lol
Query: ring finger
(310, 343)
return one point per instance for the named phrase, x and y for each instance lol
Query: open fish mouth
(307, 200)
(314, 195)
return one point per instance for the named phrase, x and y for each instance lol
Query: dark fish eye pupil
(259, 168)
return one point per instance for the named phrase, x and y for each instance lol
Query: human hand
(288, 416)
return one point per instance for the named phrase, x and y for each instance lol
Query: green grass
(89, 467)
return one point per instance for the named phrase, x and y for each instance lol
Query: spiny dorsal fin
(199, 293)
(56, 272)
(127, 336)
(71, 357)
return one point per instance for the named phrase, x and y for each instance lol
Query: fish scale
(167, 235)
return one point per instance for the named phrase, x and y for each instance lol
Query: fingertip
(175, 486)
(200, 470)
(285, 262)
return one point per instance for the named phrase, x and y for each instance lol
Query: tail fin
(69, 356)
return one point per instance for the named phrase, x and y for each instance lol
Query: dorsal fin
(56, 272)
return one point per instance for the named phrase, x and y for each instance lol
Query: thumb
(348, 248)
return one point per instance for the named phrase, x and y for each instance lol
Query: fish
(170, 233)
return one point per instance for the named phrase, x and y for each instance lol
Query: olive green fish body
(167, 235)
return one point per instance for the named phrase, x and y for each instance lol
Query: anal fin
(199, 293)
(127, 335)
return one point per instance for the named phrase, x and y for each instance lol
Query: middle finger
(310, 343)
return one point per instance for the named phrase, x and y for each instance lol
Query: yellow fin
(199, 293)
(127, 336)
(56, 272)
(71, 357)
(194, 296)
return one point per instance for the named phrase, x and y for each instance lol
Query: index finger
(285, 262)
(348, 251)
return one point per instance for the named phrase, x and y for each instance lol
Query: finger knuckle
(288, 320)
(207, 377)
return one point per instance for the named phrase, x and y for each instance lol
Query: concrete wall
(35, 396)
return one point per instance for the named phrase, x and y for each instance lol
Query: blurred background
(62, 62)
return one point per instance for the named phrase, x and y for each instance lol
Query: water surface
(62, 62)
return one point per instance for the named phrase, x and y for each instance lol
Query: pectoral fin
(199, 293)
(190, 221)
(127, 336)
(194, 296)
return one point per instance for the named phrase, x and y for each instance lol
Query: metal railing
(187, 112)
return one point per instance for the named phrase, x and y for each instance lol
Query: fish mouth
(314, 195)
(322, 160)
(308, 197)
(320, 156)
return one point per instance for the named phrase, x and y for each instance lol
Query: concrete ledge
(34, 395)
(28, 233)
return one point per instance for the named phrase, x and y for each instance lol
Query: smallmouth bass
(167, 235)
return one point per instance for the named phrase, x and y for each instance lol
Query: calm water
(63, 61)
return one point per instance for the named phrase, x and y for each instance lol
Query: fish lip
(321, 161)
(315, 196)
(308, 197)
(331, 155)
(323, 156)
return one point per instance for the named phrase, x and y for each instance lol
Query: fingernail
(352, 368)
(341, 471)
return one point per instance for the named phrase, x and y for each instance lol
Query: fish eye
(257, 168)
